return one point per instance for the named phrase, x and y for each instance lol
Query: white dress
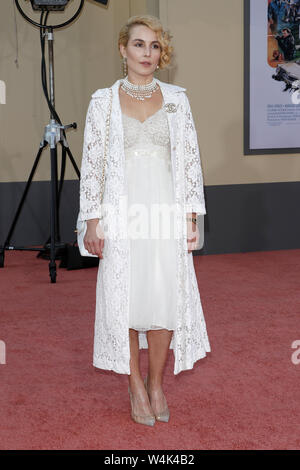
(111, 339)
(152, 240)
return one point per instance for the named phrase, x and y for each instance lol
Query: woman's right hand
(92, 241)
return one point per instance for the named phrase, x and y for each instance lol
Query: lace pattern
(111, 340)
(153, 130)
(194, 195)
(150, 137)
(92, 161)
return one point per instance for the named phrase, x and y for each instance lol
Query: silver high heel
(164, 416)
(148, 420)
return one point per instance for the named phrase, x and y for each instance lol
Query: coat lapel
(117, 131)
(172, 99)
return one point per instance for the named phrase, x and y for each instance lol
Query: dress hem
(176, 370)
(144, 330)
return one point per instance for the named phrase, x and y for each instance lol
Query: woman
(147, 294)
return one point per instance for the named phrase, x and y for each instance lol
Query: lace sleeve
(194, 195)
(91, 164)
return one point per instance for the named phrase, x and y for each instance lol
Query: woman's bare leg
(158, 346)
(141, 404)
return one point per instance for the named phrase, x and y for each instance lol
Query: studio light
(55, 5)
(49, 5)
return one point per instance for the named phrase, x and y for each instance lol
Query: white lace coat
(111, 336)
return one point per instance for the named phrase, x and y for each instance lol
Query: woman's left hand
(193, 236)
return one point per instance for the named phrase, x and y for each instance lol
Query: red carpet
(243, 395)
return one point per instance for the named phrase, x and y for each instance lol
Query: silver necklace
(140, 92)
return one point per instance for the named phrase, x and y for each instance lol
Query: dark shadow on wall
(240, 218)
(33, 226)
(252, 217)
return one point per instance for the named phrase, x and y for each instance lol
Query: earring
(124, 66)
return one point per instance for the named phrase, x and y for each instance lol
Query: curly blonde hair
(163, 37)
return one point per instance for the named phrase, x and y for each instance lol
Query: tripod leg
(62, 175)
(65, 149)
(11, 230)
(53, 213)
(61, 181)
(73, 161)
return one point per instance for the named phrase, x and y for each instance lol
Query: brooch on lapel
(170, 107)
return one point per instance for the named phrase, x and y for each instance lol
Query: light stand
(54, 133)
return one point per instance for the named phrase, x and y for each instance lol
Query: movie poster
(272, 85)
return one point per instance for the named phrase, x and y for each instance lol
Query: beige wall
(208, 38)
(86, 58)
